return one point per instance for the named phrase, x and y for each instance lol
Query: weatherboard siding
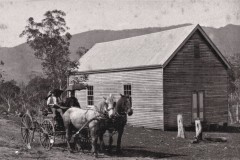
(185, 74)
(147, 93)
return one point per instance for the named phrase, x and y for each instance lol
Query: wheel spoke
(22, 131)
(48, 143)
(26, 125)
(43, 139)
(26, 121)
(47, 134)
(44, 142)
(24, 136)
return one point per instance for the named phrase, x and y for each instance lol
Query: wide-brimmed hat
(79, 86)
(48, 95)
(57, 92)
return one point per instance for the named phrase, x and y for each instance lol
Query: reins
(120, 115)
(98, 117)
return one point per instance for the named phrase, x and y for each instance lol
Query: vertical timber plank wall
(147, 93)
(185, 73)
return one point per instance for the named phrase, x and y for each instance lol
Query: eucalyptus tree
(50, 41)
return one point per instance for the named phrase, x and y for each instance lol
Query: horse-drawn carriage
(46, 127)
(89, 124)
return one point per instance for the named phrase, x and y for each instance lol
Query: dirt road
(137, 144)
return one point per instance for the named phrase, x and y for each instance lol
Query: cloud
(35, 0)
(182, 10)
(237, 16)
(1, 5)
(164, 12)
(3, 26)
(206, 9)
(228, 18)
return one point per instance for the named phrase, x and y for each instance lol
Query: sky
(85, 15)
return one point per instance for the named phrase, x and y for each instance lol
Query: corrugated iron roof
(145, 50)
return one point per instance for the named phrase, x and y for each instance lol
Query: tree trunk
(181, 132)
(9, 105)
(230, 115)
(60, 83)
(237, 119)
(198, 127)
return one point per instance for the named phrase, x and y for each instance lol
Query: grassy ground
(137, 143)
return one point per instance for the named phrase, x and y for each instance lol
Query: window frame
(127, 88)
(90, 95)
(199, 110)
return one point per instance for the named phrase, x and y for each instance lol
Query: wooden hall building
(178, 71)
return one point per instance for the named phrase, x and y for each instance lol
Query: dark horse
(116, 122)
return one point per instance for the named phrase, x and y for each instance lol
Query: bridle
(113, 107)
(125, 112)
(125, 106)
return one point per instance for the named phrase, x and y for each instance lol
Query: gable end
(208, 40)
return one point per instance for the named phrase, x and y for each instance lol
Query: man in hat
(72, 101)
(52, 102)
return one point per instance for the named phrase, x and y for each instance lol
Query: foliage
(81, 51)
(8, 94)
(19, 99)
(50, 41)
(33, 95)
(234, 87)
(1, 71)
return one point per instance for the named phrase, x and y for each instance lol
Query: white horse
(76, 118)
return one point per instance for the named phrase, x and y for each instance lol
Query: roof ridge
(147, 34)
(146, 50)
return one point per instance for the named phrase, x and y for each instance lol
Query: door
(197, 105)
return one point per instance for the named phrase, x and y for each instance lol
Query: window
(127, 88)
(197, 105)
(196, 49)
(90, 100)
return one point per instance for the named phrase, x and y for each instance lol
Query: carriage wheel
(47, 134)
(27, 129)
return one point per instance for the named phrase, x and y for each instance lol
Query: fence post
(180, 126)
(230, 116)
(237, 119)
(198, 127)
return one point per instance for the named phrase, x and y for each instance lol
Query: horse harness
(99, 117)
(103, 116)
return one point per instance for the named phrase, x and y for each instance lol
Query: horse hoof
(95, 155)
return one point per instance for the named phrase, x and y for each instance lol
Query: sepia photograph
(119, 79)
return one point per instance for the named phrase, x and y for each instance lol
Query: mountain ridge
(21, 64)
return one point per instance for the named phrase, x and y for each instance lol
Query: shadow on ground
(129, 151)
(136, 151)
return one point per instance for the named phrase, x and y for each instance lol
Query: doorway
(197, 105)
